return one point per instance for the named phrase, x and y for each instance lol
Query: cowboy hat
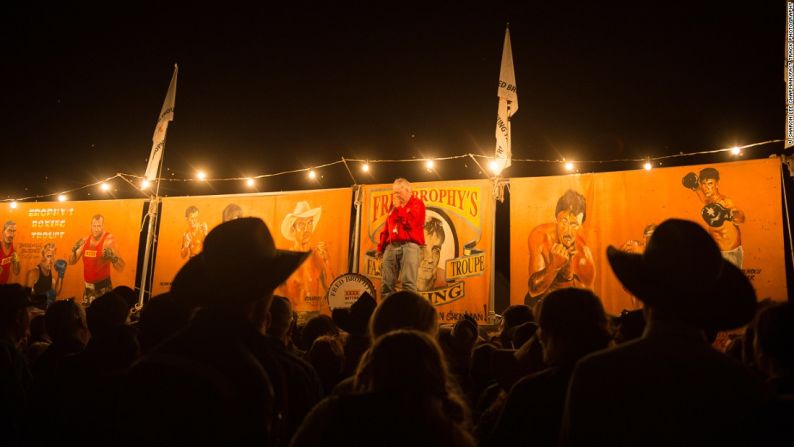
(239, 260)
(683, 272)
(13, 298)
(302, 210)
(354, 320)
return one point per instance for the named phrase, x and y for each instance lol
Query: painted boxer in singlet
(9, 259)
(99, 254)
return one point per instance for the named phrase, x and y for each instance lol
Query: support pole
(147, 273)
(492, 294)
(788, 218)
(357, 226)
(352, 177)
(151, 214)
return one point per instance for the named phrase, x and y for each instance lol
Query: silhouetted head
(404, 310)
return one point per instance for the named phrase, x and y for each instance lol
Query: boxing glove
(60, 267)
(715, 214)
(109, 255)
(690, 181)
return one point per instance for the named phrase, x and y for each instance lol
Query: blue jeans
(400, 261)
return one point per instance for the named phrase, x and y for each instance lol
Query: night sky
(271, 88)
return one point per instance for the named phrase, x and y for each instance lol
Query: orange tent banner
(309, 220)
(456, 267)
(97, 240)
(560, 227)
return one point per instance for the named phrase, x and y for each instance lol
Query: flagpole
(491, 318)
(155, 168)
(508, 93)
(357, 227)
(146, 274)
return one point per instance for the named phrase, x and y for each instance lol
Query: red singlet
(95, 268)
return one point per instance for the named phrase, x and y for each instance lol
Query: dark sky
(270, 88)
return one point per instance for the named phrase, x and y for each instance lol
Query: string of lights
(63, 196)
(495, 166)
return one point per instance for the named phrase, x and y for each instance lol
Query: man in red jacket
(401, 240)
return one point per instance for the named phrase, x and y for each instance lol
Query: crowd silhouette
(221, 360)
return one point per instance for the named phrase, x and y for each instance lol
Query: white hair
(405, 183)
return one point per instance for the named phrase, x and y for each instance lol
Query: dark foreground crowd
(221, 361)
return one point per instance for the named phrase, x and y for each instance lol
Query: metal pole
(492, 299)
(352, 177)
(356, 226)
(154, 201)
(788, 219)
(484, 172)
(147, 251)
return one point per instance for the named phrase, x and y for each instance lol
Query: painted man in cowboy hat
(307, 287)
(669, 387)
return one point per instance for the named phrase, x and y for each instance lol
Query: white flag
(158, 139)
(508, 103)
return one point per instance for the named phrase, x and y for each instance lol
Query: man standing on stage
(9, 259)
(99, 252)
(401, 240)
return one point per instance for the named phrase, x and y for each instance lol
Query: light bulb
(495, 167)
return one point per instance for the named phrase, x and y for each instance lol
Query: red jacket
(404, 224)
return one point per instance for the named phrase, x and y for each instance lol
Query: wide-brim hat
(302, 210)
(683, 272)
(355, 320)
(13, 298)
(240, 261)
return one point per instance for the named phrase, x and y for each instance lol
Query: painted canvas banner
(71, 249)
(301, 221)
(560, 227)
(455, 270)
